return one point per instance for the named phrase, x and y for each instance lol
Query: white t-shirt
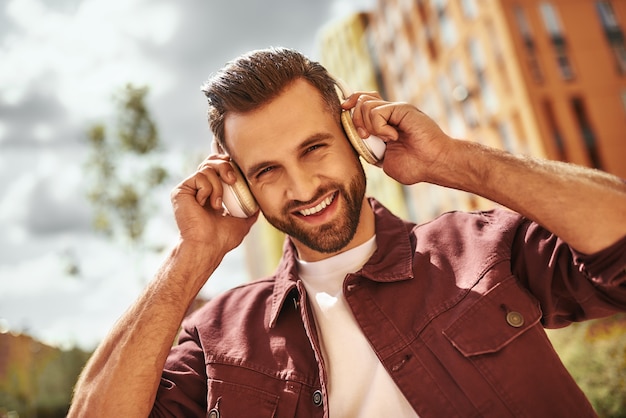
(358, 384)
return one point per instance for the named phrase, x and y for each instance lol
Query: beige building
(543, 78)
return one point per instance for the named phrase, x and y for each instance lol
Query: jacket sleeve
(569, 285)
(182, 391)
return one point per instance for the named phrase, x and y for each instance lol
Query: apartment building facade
(542, 78)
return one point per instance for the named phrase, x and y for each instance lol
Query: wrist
(187, 268)
(460, 166)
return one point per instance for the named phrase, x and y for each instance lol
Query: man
(367, 314)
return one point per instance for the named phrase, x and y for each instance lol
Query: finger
(186, 191)
(362, 115)
(221, 166)
(371, 118)
(204, 187)
(212, 159)
(380, 121)
(358, 112)
(351, 101)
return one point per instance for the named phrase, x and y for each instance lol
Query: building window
(613, 33)
(498, 54)
(553, 26)
(476, 54)
(422, 65)
(430, 104)
(586, 131)
(494, 40)
(522, 143)
(461, 94)
(529, 44)
(555, 131)
(454, 122)
(550, 19)
(522, 22)
(457, 74)
(447, 29)
(506, 135)
(470, 8)
(445, 93)
(607, 15)
(438, 4)
(430, 40)
(487, 93)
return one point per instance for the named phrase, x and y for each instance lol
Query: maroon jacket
(455, 310)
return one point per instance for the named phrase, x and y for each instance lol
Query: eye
(264, 171)
(313, 148)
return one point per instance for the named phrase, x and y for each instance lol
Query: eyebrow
(320, 136)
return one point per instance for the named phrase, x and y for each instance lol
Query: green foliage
(38, 379)
(594, 352)
(123, 170)
(136, 130)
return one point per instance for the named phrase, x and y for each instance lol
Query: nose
(303, 183)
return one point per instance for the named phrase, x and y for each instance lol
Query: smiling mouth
(318, 208)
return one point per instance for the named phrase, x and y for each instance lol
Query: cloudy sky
(60, 64)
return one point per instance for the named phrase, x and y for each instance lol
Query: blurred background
(101, 114)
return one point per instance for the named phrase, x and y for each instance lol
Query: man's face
(303, 172)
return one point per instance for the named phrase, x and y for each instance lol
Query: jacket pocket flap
(493, 321)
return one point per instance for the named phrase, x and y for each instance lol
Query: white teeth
(318, 208)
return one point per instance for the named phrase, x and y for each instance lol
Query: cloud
(38, 119)
(57, 203)
(101, 44)
(42, 198)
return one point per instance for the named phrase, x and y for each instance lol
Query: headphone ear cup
(237, 197)
(360, 145)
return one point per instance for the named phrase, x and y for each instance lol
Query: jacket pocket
(495, 320)
(227, 399)
(496, 356)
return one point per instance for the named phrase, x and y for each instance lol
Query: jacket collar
(392, 260)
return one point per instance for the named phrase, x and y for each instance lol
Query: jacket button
(515, 319)
(317, 398)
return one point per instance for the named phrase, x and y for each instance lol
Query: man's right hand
(197, 203)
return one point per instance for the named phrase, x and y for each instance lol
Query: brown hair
(257, 77)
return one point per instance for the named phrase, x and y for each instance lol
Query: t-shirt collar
(392, 260)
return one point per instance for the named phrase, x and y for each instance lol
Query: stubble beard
(330, 237)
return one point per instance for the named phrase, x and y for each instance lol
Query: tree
(123, 168)
(594, 352)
